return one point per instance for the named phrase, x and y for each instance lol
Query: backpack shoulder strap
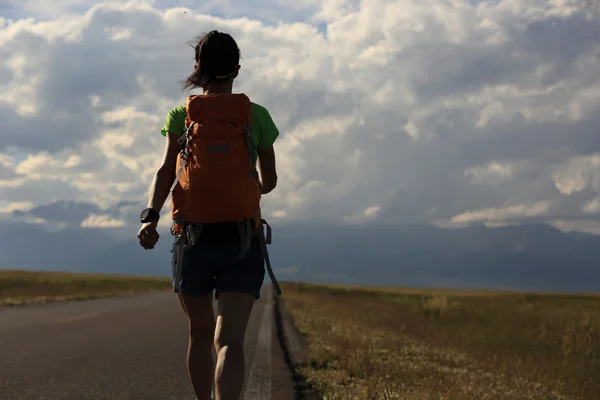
(187, 109)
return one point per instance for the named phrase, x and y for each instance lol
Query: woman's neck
(218, 89)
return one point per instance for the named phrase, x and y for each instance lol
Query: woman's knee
(230, 352)
(230, 342)
(231, 323)
(201, 317)
(202, 331)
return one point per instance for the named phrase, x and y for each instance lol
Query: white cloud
(40, 164)
(499, 224)
(387, 109)
(588, 226)
(371, 212)
(16, 206)
(119, 33)
(490, 173)
(73, 161)
(578, 174)
(36, 221)
(101, 221)
(279, 214)
(503, 214)
(592, 207)
(367, 215)
(6, 160)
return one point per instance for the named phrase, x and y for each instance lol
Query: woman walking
(215, 144)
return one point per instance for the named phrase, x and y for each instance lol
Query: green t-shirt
(264, 131)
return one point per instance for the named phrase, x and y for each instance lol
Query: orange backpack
(217, 180)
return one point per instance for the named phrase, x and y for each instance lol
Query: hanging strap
(187, 237)
(268, 237)
(263, 245)
(193, 232)
(245, 234)
(178, 248)
(183, 142)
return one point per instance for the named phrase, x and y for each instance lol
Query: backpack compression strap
(263, 245)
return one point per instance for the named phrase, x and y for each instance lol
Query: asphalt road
(130, 347)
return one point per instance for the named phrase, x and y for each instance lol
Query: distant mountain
(130, 258)
(25, 246)
(535, 257)
(531, 257)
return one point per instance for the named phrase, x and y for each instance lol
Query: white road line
(258, 386)
(77, 317)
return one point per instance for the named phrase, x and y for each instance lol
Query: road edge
(72, 298)
(294, 346)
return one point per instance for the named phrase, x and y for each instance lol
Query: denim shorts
(213, 264)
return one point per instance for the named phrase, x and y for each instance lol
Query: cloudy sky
(446, 111)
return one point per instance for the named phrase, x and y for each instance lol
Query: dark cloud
(69, 212)
(6, 172)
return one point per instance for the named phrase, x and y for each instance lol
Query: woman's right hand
(148, 236)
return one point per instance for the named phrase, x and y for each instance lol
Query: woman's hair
(217, 56)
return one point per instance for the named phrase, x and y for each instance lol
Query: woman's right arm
(159, 191)
(268, 171)
(164, 177)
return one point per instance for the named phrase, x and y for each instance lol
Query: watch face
(149, 215)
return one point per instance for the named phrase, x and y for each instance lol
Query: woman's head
(217, 61)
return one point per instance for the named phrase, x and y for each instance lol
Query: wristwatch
(149, 215)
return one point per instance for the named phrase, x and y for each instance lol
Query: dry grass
(27, 287)
(393, 344)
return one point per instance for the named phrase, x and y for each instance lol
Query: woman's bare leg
(200, 363)
(234, 312)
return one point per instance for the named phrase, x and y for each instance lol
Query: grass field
(375, 343)
(27, 287)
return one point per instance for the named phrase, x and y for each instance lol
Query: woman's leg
(234, 311)
(199, 310)
(237, 287)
